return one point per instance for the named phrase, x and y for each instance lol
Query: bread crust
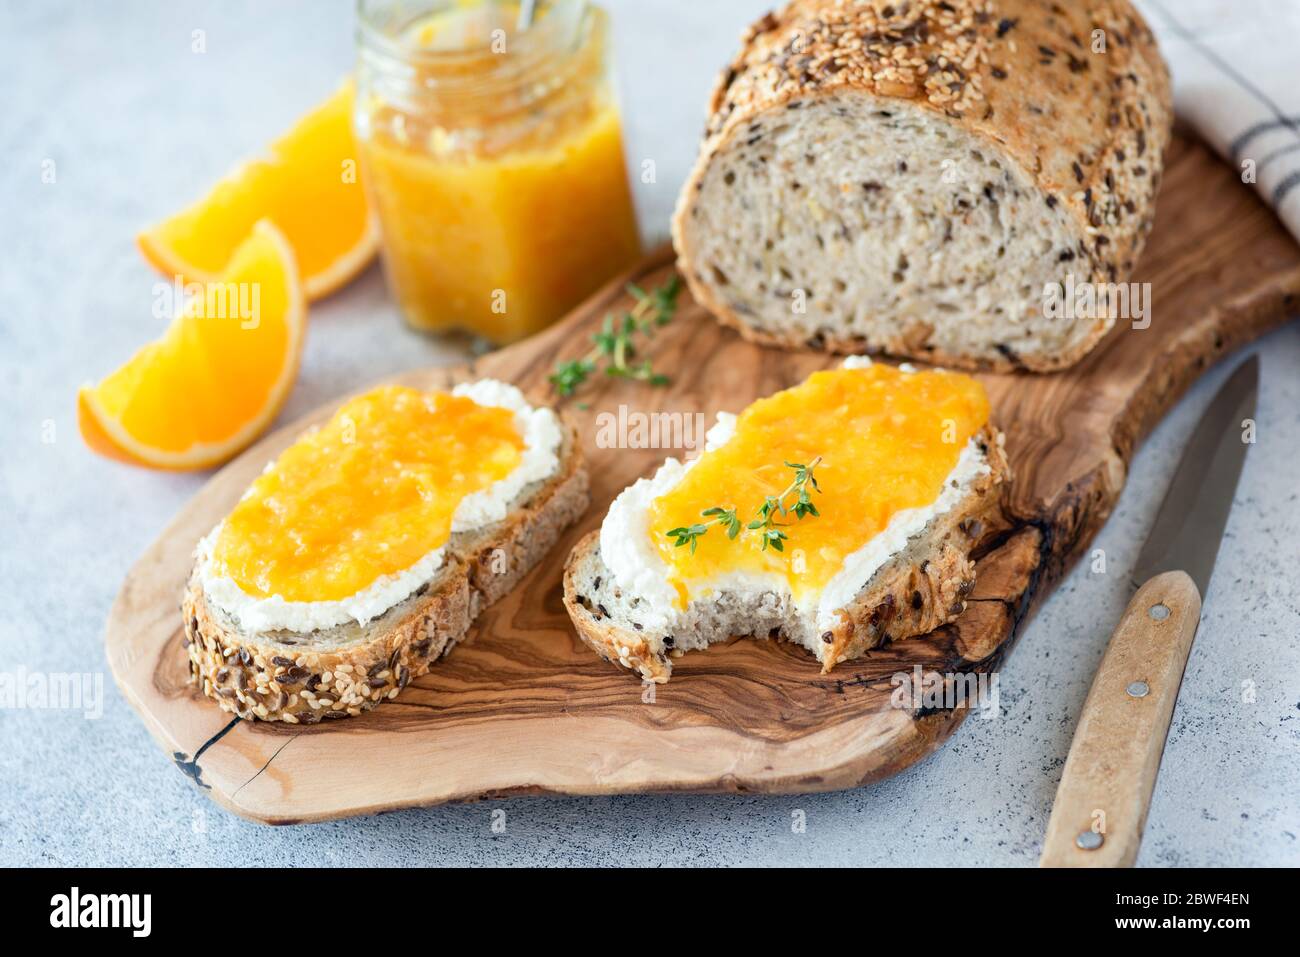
(280, 676)
(920, 589)
(1089, 132)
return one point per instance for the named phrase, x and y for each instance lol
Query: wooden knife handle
(1101, 803)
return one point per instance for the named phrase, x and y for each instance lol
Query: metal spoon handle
(526, 10)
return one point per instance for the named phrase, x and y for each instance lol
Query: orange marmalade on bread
(886, 439)
(366, 495)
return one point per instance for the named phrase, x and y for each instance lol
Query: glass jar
(493, 155)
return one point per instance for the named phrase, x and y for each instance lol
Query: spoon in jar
(526, 10)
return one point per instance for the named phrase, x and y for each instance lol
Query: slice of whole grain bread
(920, 588)
(301, 678)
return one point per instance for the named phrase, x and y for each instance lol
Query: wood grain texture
(1106, 786)
(524, 708)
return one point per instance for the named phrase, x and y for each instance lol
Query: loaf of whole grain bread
(910, 177)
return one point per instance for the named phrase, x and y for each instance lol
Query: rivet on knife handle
(1105, 790)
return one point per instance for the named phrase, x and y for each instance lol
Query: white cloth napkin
(1236, 72)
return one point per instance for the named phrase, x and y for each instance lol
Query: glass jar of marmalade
(493, 154)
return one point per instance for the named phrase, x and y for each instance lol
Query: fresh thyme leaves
(614, 345)
(775, 504)
(690, 534)
(765, 523)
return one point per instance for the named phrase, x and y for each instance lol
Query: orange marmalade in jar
(493, 153)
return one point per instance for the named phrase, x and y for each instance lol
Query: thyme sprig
(614, 344)
(765, 522)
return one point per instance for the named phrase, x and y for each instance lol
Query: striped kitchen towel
(1236, 72)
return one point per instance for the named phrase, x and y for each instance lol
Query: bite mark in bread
(920, 588)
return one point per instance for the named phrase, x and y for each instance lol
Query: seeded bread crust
(921, 588)
(301, 678)
(1075, 140)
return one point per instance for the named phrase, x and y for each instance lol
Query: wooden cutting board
(524, 708)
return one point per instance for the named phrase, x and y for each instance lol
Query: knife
(1105, 790)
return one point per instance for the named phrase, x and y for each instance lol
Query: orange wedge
(219, 374)
(308, 185)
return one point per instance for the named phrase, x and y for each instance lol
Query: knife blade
(1105, 791)
(1189, 525)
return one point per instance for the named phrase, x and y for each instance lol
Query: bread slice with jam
(909, 478)
(240, 652)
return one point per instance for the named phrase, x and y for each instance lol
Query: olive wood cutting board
(523, 708)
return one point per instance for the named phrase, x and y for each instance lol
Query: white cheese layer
(626, 542)
(540, 460)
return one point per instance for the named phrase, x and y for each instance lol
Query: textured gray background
(138, 125)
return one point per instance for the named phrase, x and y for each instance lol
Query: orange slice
(308, 185)
(219, 374)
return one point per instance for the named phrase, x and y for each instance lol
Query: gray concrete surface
(137, 124)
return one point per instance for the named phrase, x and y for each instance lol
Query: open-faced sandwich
(838, 514)
(368, 548)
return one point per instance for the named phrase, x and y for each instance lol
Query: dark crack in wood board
(524, 708)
